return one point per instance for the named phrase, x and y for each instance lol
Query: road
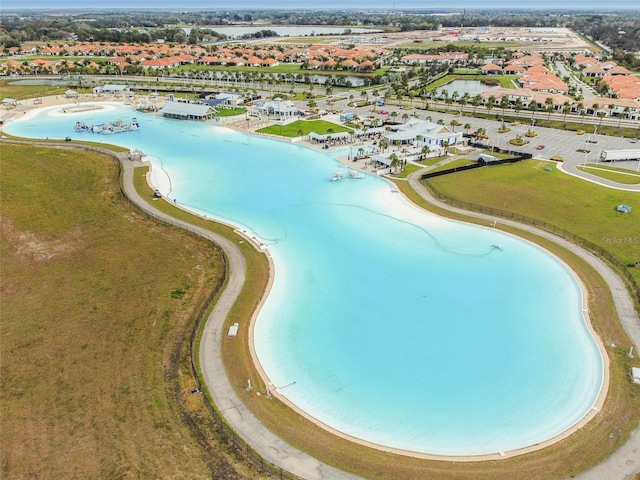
(587, 91)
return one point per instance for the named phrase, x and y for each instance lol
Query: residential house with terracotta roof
(623, 86)
(491, 69)
(513, 70)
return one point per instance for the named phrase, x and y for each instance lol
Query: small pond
(472, 87)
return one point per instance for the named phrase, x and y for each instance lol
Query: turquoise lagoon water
(387, 323)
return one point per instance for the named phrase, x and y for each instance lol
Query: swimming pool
(384, 322)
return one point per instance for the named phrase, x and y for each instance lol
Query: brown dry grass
(95, 381)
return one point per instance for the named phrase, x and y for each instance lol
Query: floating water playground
(117, 126)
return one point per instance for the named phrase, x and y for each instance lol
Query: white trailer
(486, 158)
(617, 155)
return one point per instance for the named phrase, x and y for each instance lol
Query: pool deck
(619, 466)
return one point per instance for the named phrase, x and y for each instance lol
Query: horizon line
(327, 9)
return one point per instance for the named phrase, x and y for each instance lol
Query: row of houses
(556, 102)
(164, 56)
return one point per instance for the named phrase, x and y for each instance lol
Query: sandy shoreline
(248, 128)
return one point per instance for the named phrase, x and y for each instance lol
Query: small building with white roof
(428, 133)
(278, 108)
(187, 111)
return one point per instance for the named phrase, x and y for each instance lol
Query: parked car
(539, 147)
(383, 112)
(634, 140)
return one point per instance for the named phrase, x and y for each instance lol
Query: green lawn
(304, 127)
(408, 169)
(620, 175)
(23, 92)
(580, 207)
(461, 162)
(466, 71)
(229, 112)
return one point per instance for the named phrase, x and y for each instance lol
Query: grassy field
(25, 92)
(620, 175)
(580, 207)
(230, 112)
(97, 302)
(461, 162)
(304, 127)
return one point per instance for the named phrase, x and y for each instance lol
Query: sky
(319, 4)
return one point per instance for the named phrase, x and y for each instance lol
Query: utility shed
(635, 374)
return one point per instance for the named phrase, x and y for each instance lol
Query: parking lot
(555, 142)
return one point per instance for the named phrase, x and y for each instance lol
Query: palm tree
(384, 143)
(467, 127)
(518, 105)
(444, 94)
(405, 117)
(581, 111)
(425, 151)
(491, 102)
(462, 102)
(549, 106)
(566, 108)
(394, 162)
(504, 103)
(475, 101)
(394, 114)
(533, 106)
(454, 123)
